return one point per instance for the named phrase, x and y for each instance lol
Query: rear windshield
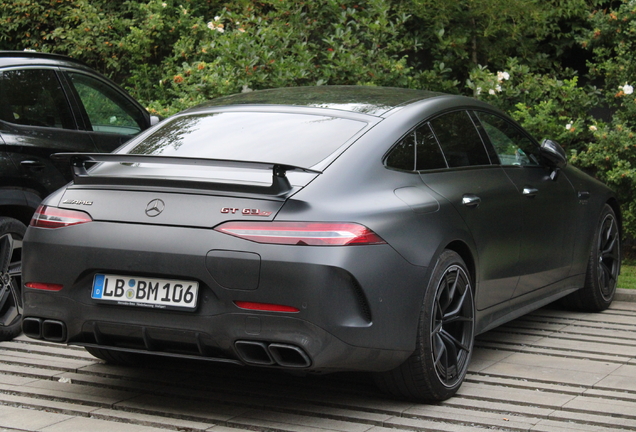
(286, 138)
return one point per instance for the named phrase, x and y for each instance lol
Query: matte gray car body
(519, 235)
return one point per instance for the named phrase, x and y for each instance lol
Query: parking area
(549, 371)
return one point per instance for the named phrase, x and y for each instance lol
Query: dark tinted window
(512, 146)
(429, 155)
(459, 139)
(403, 154)
(294, 139)
(34, 97)
(418, 151)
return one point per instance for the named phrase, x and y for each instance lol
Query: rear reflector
(265, 307)
(44, 286)
(53, 217)
(302, 233)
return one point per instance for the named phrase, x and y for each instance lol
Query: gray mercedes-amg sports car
(318, 229)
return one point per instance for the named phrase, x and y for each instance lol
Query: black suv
(48, 104)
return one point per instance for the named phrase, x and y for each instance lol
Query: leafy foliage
(554, 65)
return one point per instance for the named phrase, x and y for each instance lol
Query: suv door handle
(470, 200)
(530, 191)
(32, 165)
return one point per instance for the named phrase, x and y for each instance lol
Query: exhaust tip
(289, 356)
(32, 327)
(252, 352)
(53, 330)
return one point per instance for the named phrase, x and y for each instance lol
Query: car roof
(32, 58)
(376, 101)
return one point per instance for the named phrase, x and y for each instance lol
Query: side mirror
(554, 154)
(154, 120)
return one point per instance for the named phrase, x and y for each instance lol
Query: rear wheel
(437, 367)
(602, 269)
(11, 234)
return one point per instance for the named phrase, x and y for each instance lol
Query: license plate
(145, 292)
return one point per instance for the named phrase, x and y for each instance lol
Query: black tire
(116, 357)
(446, 329)
(11, 234)
(603, 267)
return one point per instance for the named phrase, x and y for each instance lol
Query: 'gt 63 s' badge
(245, 211)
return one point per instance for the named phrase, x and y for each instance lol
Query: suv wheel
(11, 235)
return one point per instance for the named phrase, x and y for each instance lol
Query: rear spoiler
(280, 184)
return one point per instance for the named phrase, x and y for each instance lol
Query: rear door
(35, 121)
(486, 200)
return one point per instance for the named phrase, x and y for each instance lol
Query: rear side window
(459, 139)
(418, 151)
(106, 108)
(34, 97)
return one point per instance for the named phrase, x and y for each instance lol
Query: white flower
(216, 18)
(627, 89)
(211, 26)
(503, 76)
(498, 88)
(220, 30)
(164, 4)
(593, 128)
(491, 91)
(568, 126)
(478, 91)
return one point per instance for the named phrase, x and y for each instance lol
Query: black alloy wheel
(608, 256)
(603, 267)
(11, 234)
(452, 326)
(446, 330)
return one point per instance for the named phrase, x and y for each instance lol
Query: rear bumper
(356, 304)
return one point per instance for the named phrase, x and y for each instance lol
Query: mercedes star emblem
(155, 207)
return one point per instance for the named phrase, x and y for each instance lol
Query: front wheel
(437, 367)
(603, 267)
(11, 234)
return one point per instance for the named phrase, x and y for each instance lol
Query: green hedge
(550, 64)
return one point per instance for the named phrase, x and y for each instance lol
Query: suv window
(419, 151)
(459, 139)
(34, 97)
(512, 146)
(106, 109)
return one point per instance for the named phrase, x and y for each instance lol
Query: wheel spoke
(456, 313)
(6, 252)
(454, 342)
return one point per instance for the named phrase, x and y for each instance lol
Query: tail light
(44, 286)
(265, 307)
(53, 217)
(302, 233)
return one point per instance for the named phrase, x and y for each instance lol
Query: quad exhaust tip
(272, 354)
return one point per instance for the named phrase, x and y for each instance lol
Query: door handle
(530, 191)
(470, 200)
(32, 165)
